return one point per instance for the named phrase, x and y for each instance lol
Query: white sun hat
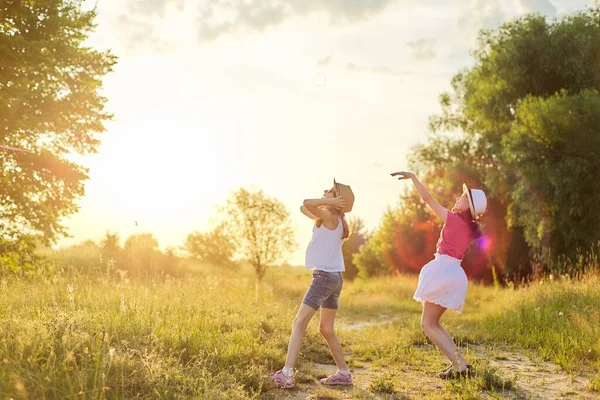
(477, 201)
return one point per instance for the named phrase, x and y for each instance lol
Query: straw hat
(477, 201)
(346, 193)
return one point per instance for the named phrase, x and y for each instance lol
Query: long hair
(346, 230)
(476, 232)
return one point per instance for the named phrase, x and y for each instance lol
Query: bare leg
(301, 321)
(326, 326)
(430, 321)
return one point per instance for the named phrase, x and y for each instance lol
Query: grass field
(210, 337)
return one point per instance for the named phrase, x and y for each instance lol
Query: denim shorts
(324, 291)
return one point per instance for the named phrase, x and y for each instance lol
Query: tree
(403, 242)
(49, 106)
(113, 257)
(142, 254)
(261, 228)
(351, 246)
(553, 146)
(495, 127)
(111, 248)
(214, 247)
(81, 258)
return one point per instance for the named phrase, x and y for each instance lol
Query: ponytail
(346, 232)
(476, 232)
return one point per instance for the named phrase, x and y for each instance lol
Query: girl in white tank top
(324, 255)
(324, 251)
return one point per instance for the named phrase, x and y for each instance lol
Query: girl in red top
(442, 281)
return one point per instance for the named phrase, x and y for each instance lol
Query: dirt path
(531, 379)
(536, 380)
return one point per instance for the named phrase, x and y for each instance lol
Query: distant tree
(142, 254)
(261, 228)
(81, 258)
(215, 247)
(111, 247)
(369, 260)
(356, 238)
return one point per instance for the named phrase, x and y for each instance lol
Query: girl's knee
(301, 321)
(428, 324)
(327, 331)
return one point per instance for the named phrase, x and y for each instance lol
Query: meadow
(211, 336)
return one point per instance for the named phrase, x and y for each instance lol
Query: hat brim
(348, 196)
(470, 198)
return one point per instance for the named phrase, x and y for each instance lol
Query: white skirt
(443, 281)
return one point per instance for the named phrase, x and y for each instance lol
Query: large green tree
(521, 124)
(554, 148)
(51, 106)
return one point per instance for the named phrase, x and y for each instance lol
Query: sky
(283, 96)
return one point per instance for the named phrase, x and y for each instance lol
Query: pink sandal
(282, 379)
(338, 379)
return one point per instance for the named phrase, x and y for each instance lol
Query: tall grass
(558, 319)
(208, 338)
(211, 337)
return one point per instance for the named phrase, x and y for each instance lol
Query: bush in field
(83, 258)
(215, 248)
(17, 257)
(351, 246)
(140, 257)
(369, 260)
(404, 242)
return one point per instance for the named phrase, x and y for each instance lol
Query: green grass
(176, 340)
(383, 384)
(210, 337)
(557, 320)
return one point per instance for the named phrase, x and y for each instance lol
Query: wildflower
(70, 293)
(122, 306)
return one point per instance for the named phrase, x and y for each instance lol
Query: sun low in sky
(281, 95)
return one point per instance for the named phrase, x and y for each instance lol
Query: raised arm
(424, 193)
(315, 207)
(305, 211)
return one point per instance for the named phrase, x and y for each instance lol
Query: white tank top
(324, 251)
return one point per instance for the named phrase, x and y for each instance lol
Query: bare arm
(307, 213)
(424, 193)
(314, 206)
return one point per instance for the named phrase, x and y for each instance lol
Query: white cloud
(380, 70)
(324, 61)
(481, 14)
(543, 7)
(422, 49)
(216, 18)
(154, 7)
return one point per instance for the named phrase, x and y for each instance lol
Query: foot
(451, 373)
(338, 379)
(282, 380)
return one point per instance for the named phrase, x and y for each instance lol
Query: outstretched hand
(403, 175)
